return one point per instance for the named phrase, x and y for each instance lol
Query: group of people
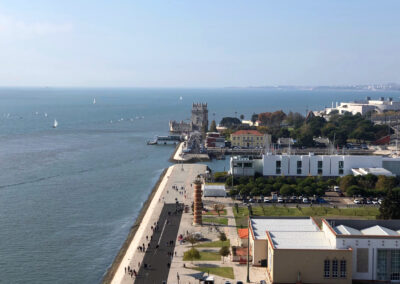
(131, 272)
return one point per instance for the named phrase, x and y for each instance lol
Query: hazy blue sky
(198, 43)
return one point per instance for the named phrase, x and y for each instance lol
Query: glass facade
(334, 268)
(388, 264)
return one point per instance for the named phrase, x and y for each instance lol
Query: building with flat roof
(326, 165)
(364, 106)
(294, 250)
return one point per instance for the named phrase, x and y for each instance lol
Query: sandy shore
(116, 272)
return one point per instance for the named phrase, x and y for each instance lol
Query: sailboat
(45, 114)
(55, 123)
(94, 101)
(180, 98)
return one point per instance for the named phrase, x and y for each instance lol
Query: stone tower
(197, 204)
(199, 116)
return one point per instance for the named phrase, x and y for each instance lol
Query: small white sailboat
(94, 101)
(180, 98)
(55, 123)
(45, 114)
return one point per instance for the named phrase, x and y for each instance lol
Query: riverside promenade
(151, 264)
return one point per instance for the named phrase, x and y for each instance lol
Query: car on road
(305, 200)
(380, 201)
(357, 201)
(375, 202)
(251, 200)
(267, 200)
(239, 282)
(228, 282)
(336, 188)
(263, 282)
(280, 200)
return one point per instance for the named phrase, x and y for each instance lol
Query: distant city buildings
(362, 107)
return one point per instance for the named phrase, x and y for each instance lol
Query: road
(157, 259)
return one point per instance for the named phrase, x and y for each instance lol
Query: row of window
(247, 138)
(300, 164)
(335, 272)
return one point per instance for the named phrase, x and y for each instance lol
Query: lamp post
(248, 250)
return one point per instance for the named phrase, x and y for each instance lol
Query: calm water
(68, 196)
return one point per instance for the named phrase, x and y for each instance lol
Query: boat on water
(94, 101)
(165, 140)
(45, 114)
(55, 123)
(180, 98)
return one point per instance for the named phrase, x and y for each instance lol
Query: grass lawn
(215, 220)
(315, 211)
(215, 244)
(226, 272)
(214, 213)
(206, 255)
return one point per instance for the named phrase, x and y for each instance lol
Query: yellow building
(296, 250)
(249, 139)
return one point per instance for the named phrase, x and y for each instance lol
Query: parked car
(267, 200)
(380, 200)
(280, 200)
(305, 200)
(251, 200)
(263, 282)
(239, 282)
(336, 188)
(375, 202)
(357, 201)
(228, 282)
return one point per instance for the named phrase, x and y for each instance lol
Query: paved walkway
(165, 194)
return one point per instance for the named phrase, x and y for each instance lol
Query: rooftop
(290, 233)
(300, 240)
(374, 171)
(365, 227)
(260, 226)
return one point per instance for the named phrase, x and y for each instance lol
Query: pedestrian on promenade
(175, 253)
(129, 268)
(147, 238)
(138, 265)
(125, 269)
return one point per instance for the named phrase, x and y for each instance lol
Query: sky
(186, 43)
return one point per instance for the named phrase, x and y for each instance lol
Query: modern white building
(375, 245)
(324, 165)
(245, 166)
(364, 106)
(214, 190)
(341, 251)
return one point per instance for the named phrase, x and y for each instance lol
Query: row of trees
(286, 186)
(368, 185)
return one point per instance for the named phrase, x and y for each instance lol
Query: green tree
(213, 126)
(347, 181)
(286, 190)
(241, 116)
(254, 117)
(191, 254)
(385, 183)
(192, 240)
(354, 190)
(222, 237)
(390, 207)
(224, 251)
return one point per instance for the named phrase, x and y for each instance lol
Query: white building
(375, 245)
(214, 190)
(364, 106)
(324, 165)
(245, 166)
